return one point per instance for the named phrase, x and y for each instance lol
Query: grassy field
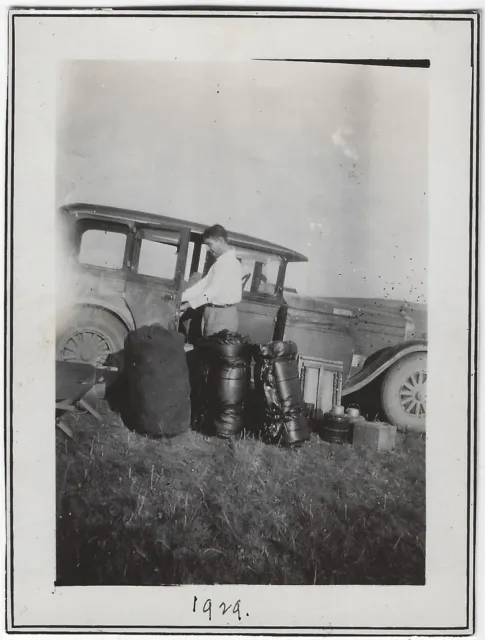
(193, 510)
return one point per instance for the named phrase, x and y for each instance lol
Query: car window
(188, 265)
(259, 271)
(100, 248)
(157, 259)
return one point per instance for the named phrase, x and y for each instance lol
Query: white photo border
(36, 607)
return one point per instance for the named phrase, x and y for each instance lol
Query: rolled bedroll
(223, 362)
(278, 393)
(158, 381)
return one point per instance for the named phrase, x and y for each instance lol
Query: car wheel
(403, 392)
(94, 335)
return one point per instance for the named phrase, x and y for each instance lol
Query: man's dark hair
(216, 231)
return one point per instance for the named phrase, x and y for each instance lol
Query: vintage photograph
(241, 321)
(241, 348)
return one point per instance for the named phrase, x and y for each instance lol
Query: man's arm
(194, 296)
(195, 290)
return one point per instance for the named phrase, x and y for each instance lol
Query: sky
(327, 159)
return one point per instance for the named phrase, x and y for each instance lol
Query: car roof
(103, 212)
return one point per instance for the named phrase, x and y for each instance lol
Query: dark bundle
(278, 392)
(158, 381)
(222, 363)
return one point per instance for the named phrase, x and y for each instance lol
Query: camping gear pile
(164, 390)
(223, 402)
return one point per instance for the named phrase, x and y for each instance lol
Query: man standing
(221, 289)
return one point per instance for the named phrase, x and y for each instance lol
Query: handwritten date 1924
(210, 608)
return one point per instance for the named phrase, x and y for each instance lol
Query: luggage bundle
(167, 390)
(278, 392)
(220, 374)
(157, 381)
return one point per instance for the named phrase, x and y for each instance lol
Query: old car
(132, 268)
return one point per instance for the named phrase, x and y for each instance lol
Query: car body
(132, 268)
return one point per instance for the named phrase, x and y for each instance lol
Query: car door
(155, 274)
(100, 248)
(261, 299)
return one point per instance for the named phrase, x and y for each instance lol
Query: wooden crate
(317, 381)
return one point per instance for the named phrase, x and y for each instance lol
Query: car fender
(123, 314)
(383, 361)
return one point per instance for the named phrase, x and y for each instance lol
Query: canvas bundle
(278, 393)
(158, 381)
(223, 364)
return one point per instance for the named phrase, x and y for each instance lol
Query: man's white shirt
(221, 286)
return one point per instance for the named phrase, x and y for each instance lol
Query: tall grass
(205, 511)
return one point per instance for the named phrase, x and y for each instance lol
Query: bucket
(336, 426)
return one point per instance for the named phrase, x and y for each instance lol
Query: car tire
(403, 393)
(94, 335)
